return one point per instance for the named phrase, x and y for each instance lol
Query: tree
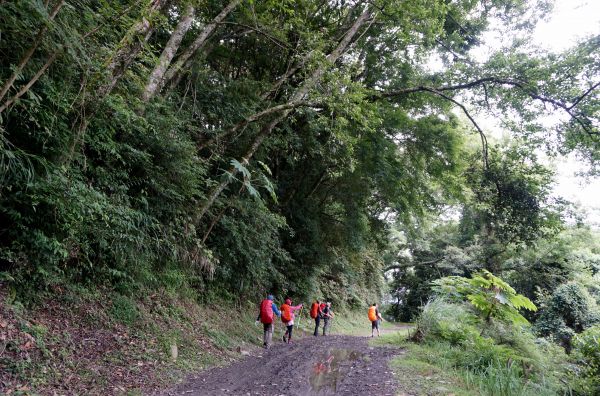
(491, 296)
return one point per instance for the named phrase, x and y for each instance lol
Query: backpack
(286, 313)
(372, 314)
(314, 310)
(266, 311)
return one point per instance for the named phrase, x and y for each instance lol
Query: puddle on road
(328, 371)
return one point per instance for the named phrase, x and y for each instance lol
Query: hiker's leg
(325, 325)
(270, 334)
(266, 334)
(290, 329)
(317, 321)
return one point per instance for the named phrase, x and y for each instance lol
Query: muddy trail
(332, 365)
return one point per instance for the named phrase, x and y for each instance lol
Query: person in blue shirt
(265, 316)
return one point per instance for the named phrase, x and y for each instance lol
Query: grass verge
(419, 370)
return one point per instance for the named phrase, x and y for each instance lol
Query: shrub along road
(344, 365)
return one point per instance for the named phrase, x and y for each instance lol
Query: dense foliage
(244, 146)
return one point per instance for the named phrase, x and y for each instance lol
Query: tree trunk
(214, 194)
(200, 41)
(29, 53)
(164, 61)
(49, 63)
(297, 97)
(33, 80)
(128, 49)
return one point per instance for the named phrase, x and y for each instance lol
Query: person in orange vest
(265, 316)
(287, 317)
(316, 312)
(375, 318)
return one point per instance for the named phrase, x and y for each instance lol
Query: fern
(489, 295)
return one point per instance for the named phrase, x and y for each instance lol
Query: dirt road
(332, 365)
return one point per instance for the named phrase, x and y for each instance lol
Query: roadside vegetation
(471, 339)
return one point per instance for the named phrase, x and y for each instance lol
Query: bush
(498, 358)
(442, 320)
(587, 356)
(500, 379)
(569, 310)
(124, 309)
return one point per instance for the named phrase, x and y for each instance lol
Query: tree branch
(33, 80)
(580, 98)
(29, 53)
(498, 81)
(255, 117)
(484, 143)
(275, 40)
(411, 264)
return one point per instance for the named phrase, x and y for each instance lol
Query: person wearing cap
(265, 316)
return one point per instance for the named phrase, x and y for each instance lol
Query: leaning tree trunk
(296, 98)
(156, 77)
(128, 49)
(178, 67)
(29, 53)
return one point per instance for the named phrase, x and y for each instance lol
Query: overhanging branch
(522, 85)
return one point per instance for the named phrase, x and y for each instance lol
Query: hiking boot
(284, 339)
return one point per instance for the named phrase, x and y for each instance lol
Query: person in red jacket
(287, 317)
(316, 312)
(265, 316)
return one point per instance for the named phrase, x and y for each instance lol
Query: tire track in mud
(331, 365)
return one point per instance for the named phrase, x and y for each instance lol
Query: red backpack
(314, 310)
(266, 311)
(286, 313)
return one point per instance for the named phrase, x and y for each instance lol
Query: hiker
(327, 314)
(287, 317)
(265, 316)
(375, 318)
(316, 312)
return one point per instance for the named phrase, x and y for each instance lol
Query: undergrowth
(459, 354)
(92, 341)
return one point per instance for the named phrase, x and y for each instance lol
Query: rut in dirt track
(341, 365)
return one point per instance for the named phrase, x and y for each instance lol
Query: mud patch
(330, 369)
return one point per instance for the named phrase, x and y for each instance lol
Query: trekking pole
(299, 316)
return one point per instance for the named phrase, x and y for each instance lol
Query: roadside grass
(431, 369)
(354, 323)
(419, 370)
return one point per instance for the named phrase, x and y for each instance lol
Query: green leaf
(240, 168)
